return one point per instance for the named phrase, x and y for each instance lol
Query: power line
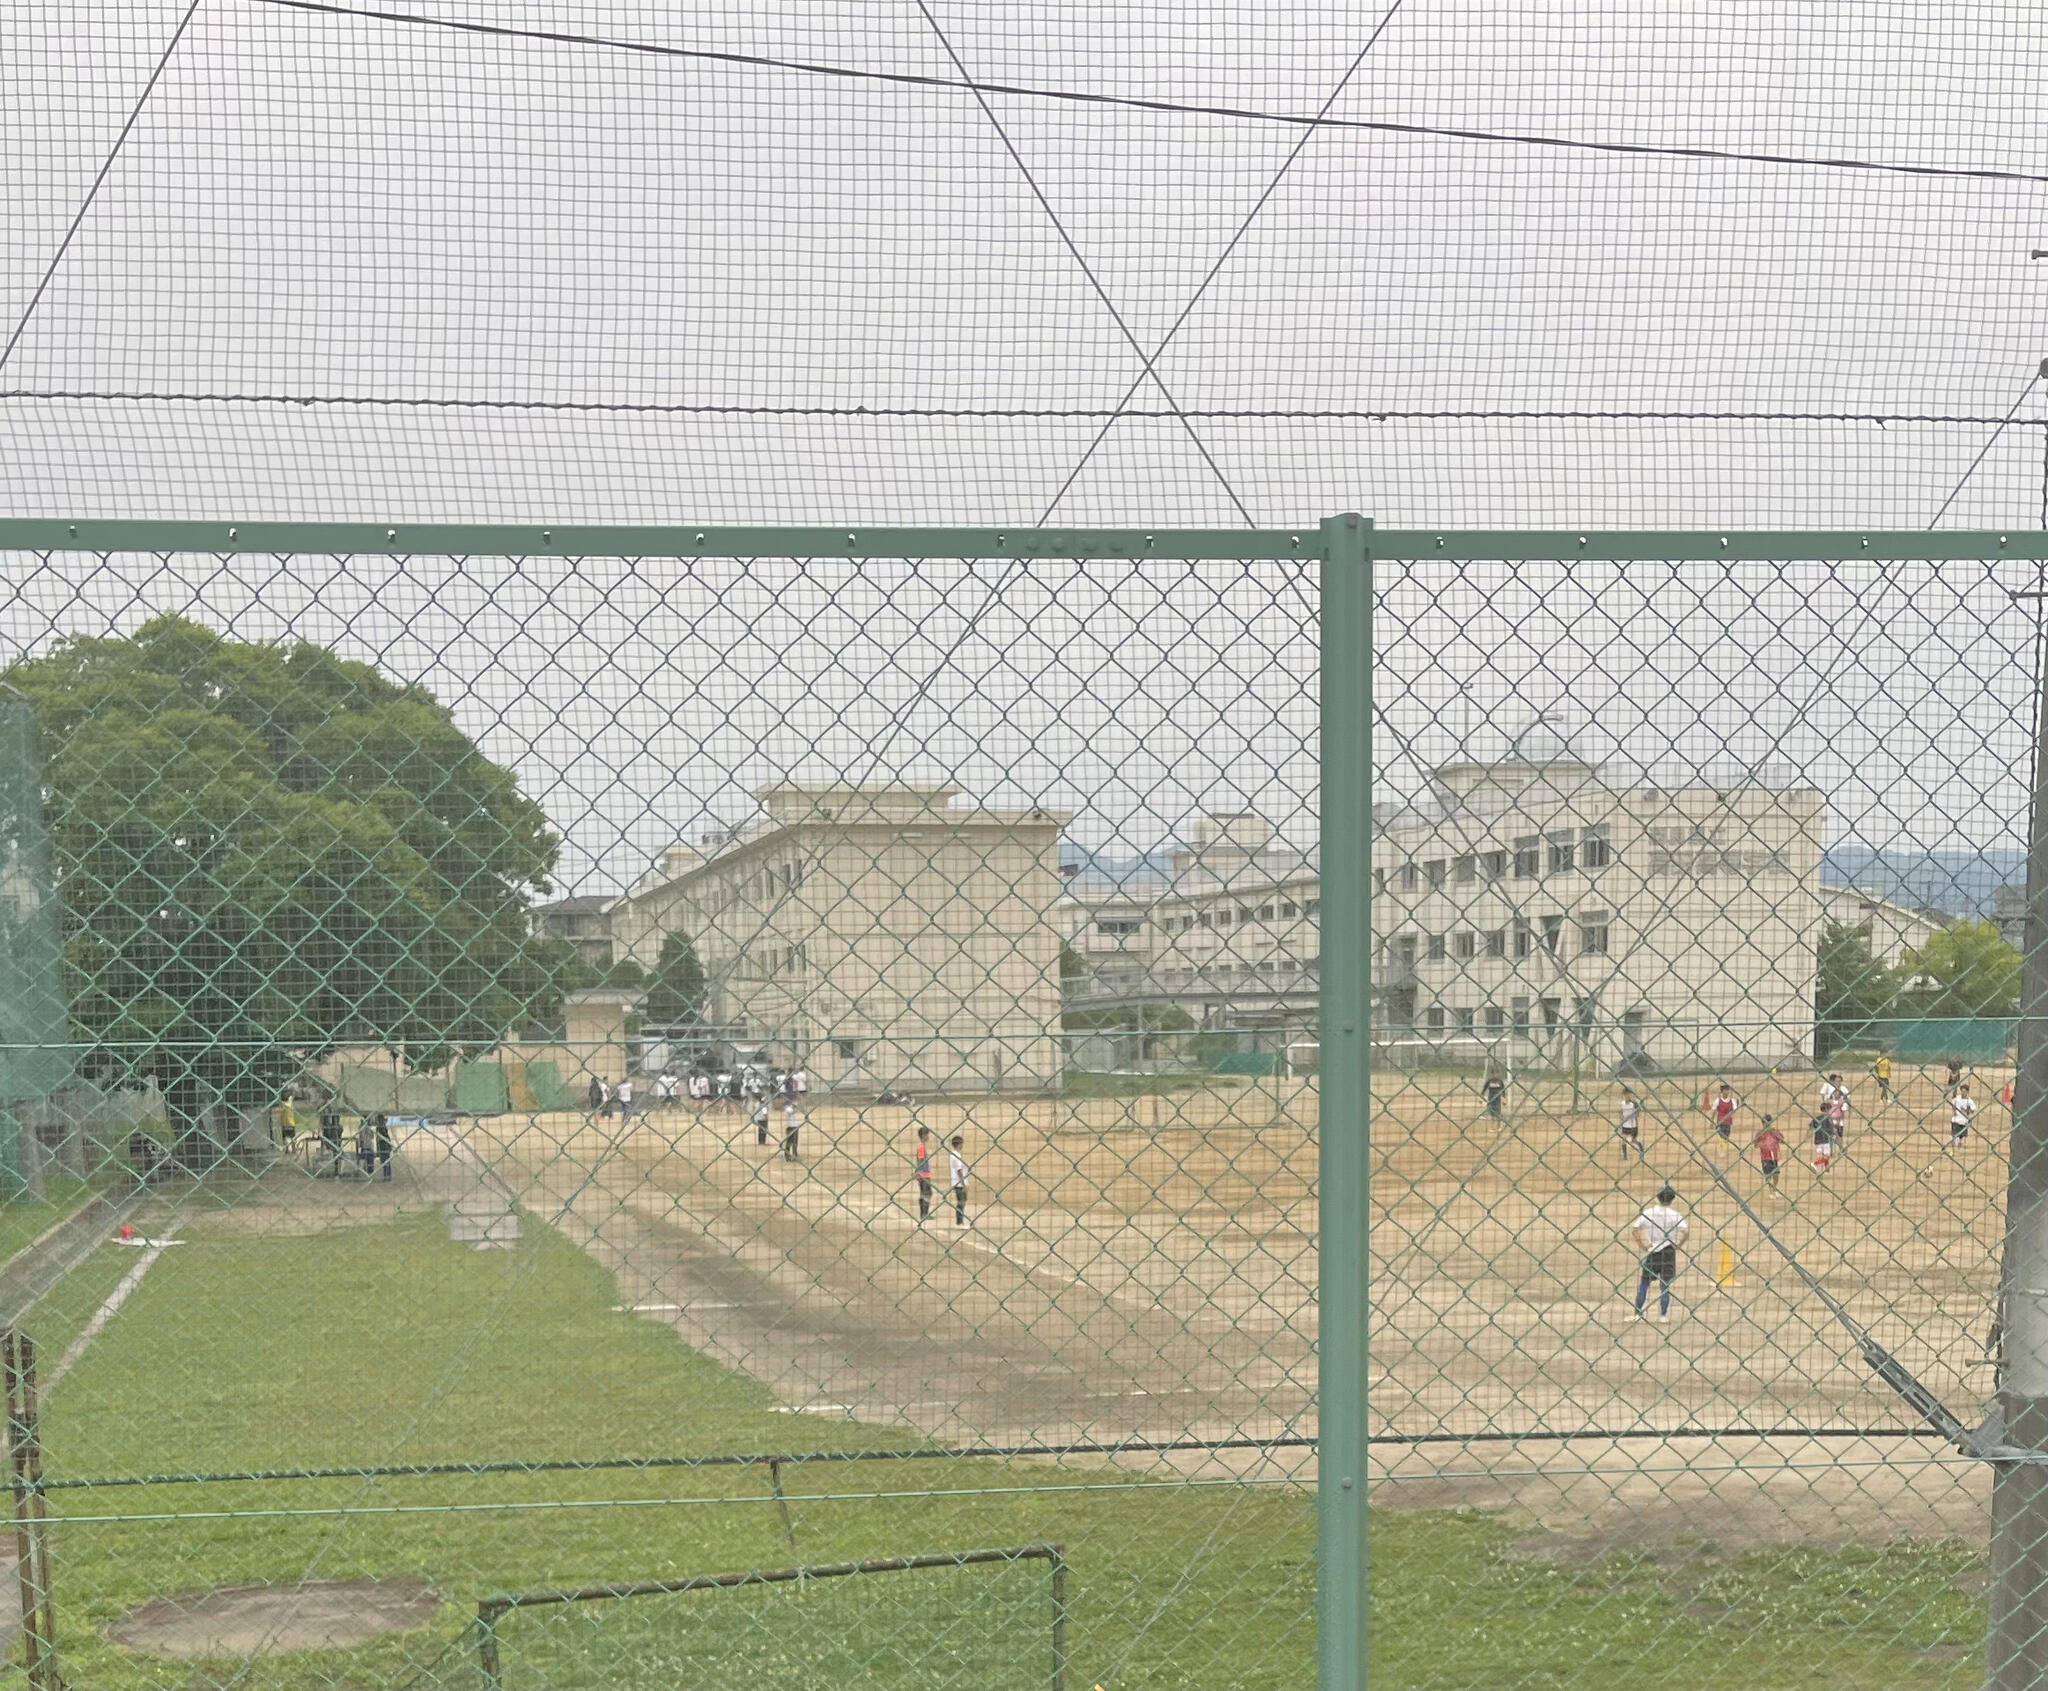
(1216, 268)
(106, 166)
(1070, 413)
(1985, 449)
(1074, 251)
(1187, 108)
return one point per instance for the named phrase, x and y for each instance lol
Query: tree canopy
(265, 852)
(1968, 969)
(675, 991)
(1856, 995)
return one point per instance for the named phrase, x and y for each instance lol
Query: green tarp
(366, 1088)
(544, 1081)
(482, 1089)
(1935, 1039)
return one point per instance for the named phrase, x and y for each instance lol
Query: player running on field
(1961, 1108)
(1724, 1108)
(1770, 1149)
(1881, 1072)
(1660, 1230)
(1630, 1126)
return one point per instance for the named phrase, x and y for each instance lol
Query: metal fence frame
(1345, 548)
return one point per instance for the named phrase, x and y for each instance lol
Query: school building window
(1593, 932)
(1528, 858)
(1493, 865)
(1411, 877)
(1521, 1015)
(1594, 852)
(1436, 948)
(1522, 938)
(1496, 1018)
(1466, 1020)
(1404, 951)
(1465, 869)
(1314, 907)
(1287, 910)
(1433, 1019)
(1564, 853)
(849, 1050)
(1433, 872)
(1497, 942)
(1553, 932)
(1464, 945)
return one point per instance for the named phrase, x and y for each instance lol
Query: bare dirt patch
(254, 1620)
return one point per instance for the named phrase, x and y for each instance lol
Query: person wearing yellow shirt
(1881, 1072)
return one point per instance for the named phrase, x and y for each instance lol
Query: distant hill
(1960, 882)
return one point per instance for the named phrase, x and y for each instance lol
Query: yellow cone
(1724, 1269)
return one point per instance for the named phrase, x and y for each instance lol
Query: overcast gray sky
(794, 296)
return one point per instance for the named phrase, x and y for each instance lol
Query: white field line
(106, 1312)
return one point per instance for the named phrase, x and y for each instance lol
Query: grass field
(385, 1342)
(1148, 1272)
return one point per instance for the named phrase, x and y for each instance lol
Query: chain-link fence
(744, 1107)
(607, 1157)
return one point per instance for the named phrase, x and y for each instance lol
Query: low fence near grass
(492, 1610)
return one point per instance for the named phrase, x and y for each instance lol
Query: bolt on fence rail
(531, 1002)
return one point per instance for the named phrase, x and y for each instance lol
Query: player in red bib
(1725, 1107)
(1770, 1146)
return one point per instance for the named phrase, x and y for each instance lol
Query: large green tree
(675, 991)
(265, 852)
(1856, 996)
(1968, 969)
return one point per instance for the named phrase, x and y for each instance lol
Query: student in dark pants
(921, 1162)
(380, 1130)
(789, 1124)
(330, 1137)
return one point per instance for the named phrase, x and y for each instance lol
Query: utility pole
(2016, 1650)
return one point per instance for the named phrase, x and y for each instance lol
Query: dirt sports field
(1146, 1268)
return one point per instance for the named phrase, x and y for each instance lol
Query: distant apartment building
(1228, 934)
(885, 935)
(1894, 928)
(585, 922)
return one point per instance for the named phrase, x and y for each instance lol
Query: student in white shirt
(1659, 1230)
(1961, 1108)
(1630, 1126)
(956, 1166)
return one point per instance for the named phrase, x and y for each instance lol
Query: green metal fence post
(1346, 1099)
(2016, 1648)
